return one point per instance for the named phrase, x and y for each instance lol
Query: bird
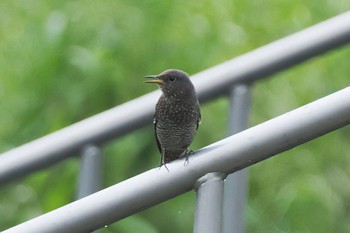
(177, 114)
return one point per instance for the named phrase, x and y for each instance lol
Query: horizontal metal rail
(209, 84)
(226, 156)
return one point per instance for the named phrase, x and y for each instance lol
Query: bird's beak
(154, 79)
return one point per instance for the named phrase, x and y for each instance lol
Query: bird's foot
(188, 153)
(187, 161)
(161, 164)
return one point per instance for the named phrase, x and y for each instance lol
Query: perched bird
(177, 114)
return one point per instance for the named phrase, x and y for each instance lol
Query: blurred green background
(64, 61)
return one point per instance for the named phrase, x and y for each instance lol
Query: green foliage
(63, 61)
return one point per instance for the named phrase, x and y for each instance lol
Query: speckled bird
(177, 114)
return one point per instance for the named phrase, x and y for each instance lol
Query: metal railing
(206, 170)
(235, 189)
(206, 174)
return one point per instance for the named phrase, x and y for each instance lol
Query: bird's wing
(155, 133)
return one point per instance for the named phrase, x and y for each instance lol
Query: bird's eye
(171, 79)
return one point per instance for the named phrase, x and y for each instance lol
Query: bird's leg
(162, 161)
(187, 153)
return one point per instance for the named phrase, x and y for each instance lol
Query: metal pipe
(235, 199)
(226, 156)
(209, 84)
(208, 218)
(235, 188)
(90, 171)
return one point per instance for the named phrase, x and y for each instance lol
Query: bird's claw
(187, 160)
(163, 163)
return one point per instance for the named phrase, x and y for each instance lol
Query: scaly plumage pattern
(177, 114)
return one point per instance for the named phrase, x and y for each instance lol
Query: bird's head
(173, 83)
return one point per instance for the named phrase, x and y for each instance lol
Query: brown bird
(177, 114)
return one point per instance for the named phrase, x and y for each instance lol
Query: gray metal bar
(208, 218)
(235, 189)
(235, 198)
(226, 156)
(90, 171)
(210, 83)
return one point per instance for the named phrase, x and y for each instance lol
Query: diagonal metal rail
(226, 156)
(209, 84)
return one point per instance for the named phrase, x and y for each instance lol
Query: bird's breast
(177, 113)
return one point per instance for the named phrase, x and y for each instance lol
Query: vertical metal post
(235, 188)
(208, 217)
(90, 171)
